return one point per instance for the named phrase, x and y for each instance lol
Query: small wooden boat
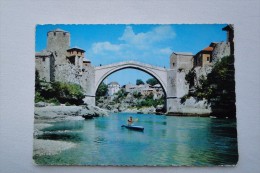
(137, 128)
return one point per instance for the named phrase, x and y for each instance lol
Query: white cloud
(143, 40)
(105, 46)
(136, 46)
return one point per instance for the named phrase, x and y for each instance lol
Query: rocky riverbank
(191, 107)
(45, 114)
(66, 112)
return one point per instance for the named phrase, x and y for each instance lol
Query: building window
(207, 58)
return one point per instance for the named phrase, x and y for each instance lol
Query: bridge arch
(158, 73)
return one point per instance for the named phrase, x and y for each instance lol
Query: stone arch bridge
(172, 80)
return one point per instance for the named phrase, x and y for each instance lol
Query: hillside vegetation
(218, 87)
(57, 92)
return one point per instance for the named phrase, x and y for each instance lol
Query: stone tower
(180, 64)
(58, 41)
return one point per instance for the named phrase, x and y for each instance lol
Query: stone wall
(67, 73)
(42, 65)
(181, 61)
(88, 84)
(201, 71)
(180, 64)
(85, 78)
(221, 49)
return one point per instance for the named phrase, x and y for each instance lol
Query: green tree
(102, 90)
(65, 92)
(139, 82)
(137, 94)
(190, 77)
(152, 81)
(218, 87)
(37, 81)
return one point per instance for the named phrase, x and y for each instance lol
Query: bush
(38, 97)
(102, 90)
(55, 101)
(137, 94)
(58, 92)
(67, 104)
(190, 77)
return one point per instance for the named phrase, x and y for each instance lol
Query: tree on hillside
(102, 90)
(139, 82)
(218, 87)
(152, 81)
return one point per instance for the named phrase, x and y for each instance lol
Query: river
(165, 141)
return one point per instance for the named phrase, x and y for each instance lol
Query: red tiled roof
(208, 49)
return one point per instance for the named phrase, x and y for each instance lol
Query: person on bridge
(130, 121)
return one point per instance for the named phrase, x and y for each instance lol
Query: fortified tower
(180, 64)
(58, 41)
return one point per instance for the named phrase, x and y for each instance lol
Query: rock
(40, 104)
(95, 111)
(159, 107)
(191, 107)
(148, 110)
(115, 110)
(63, 112)
(51, 104)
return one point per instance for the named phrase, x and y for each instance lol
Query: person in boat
(130, 121)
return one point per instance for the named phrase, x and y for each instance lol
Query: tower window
(54, 33)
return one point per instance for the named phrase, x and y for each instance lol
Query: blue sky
(151, 44)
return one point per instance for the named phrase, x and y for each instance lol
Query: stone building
(75, 56)
(60, 62)
(113, 87)
(147, 91)
(44, 64)
(180, 64)
(158, 91)
(211, 54)
(204, 57)
(181, 60)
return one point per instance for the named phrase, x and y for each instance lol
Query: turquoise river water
(165, 141)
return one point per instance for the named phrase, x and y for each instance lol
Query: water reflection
(165, 141)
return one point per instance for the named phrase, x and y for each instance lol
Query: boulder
(40, 104)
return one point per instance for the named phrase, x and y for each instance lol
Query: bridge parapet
(130, 63)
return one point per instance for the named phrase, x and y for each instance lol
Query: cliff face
(191, 107)
(221, 50)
